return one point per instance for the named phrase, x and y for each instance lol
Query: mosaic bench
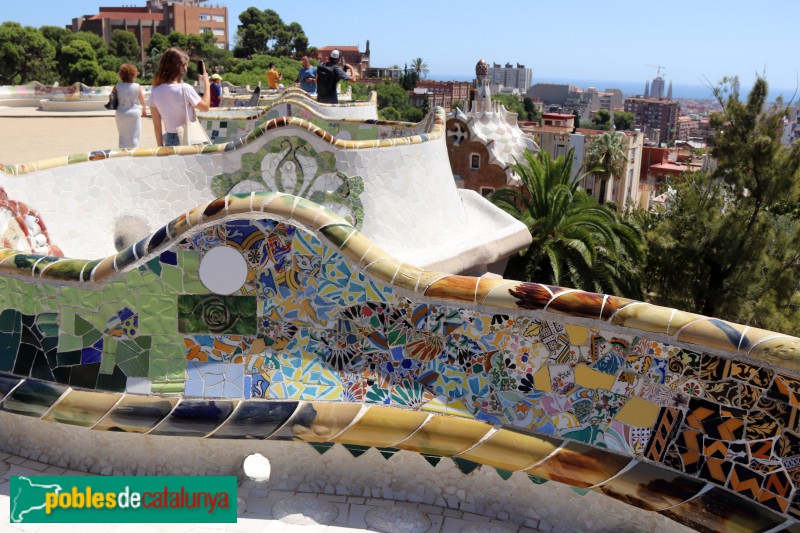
(399, 191)
(229, 124)
(344, 109)
(266, 317)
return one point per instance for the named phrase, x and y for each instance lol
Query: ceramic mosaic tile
(314, 343)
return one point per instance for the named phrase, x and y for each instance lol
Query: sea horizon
(696, 91)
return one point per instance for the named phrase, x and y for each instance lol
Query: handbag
(191, 132)
(113, 100)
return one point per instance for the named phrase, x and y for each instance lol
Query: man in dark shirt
(328, 76)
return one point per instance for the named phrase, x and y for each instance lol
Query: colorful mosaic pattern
(330, 340)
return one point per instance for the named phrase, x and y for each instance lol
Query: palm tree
(606, 158)
(576, 241)
(419, 66)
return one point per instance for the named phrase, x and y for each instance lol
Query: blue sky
(613, 40)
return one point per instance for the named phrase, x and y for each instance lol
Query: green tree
(78, 63)
(391, 95)
(623, 120)
(602, 117)
(576, 242)
(606, 158)
(532, 113)
(264, 32)
(157, 42)
(726, 247)
(420, 67)
(25, 55)
(124, 46)
(512, 104)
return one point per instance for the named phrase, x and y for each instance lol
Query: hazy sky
(612, 40)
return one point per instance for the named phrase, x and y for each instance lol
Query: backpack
(326, 79)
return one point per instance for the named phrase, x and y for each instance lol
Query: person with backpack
(328, 76)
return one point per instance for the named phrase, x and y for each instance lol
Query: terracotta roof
(340, 48)
(127, 15)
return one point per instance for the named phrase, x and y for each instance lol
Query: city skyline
(695, 42)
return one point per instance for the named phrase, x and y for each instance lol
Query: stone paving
(274, 511)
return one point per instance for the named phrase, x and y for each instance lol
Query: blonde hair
(171, 66)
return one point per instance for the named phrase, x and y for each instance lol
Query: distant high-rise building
(658, 119)
(510, 76)
(657, 88)
(647, 89)
(191, 17)
(669, 91)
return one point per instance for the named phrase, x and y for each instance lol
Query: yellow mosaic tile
(638, 412)
(592, 379)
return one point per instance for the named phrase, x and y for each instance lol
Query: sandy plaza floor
(29, 134)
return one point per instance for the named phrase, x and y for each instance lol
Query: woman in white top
(131, 108)
(171, 99)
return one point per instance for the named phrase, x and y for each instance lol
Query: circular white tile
(223, 270)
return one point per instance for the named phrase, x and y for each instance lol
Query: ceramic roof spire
(483, 96)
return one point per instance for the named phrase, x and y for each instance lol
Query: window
(205, 17)
(219, 31)
(474, 162)
(560, 150)
(218, 18)
(486, 191)
(204, 29)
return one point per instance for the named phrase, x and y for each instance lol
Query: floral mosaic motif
(290, 165)
(200, 313)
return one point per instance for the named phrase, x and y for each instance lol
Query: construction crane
(659, 67)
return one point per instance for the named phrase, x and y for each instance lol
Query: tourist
(171, 100)
(307, 76)
(273, 77)
(216, 89)
(131, 107)
(328, 76)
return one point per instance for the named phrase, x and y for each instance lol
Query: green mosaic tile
(68, 358)
(172, 277)
(194, 286)
(537, 480)
(82, 326)
(321, 447)
(505, 474)
(155, 265)
(108, 359)
(189, 260)
(167, 387)
(433, 460)
(48, 324)
(69, 342)
(465, 466)
(387, 453)
(356, 450)
(143, 342)
(67, 323)
(234, 315)
(132, 359)
(115, 292)
(158, 316)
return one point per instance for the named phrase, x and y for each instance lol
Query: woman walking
(131, 107)
(171, 100)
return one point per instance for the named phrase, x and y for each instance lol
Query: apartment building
(192, 17)
(517, 77)
(658, 119)
(440, 93)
